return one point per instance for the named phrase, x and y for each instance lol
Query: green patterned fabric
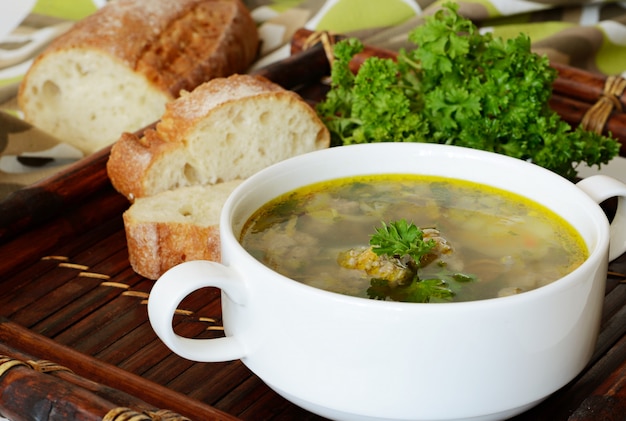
(349, 15)
(64, 9)
(586, 34)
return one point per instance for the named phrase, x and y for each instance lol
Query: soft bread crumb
(238, 139)
(228, 128)
(180, 173)
(197, 205)
(88, 99)
(115, 70)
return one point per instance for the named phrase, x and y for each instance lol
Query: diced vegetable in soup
(413, 238)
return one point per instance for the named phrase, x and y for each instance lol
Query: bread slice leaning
(175, 226)
(179, 174)
(115, 70)
(225, 129)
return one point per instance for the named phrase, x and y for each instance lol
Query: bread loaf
(115, 70)
(225, 129)
(175, 226)
(179, 174)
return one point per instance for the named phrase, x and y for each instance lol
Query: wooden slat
(608, 401)
(96, 370)
(70, 383)
(39, 240)
(43, 200)
(49, 398)
(68, 315)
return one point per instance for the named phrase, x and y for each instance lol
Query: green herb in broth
(396, 254)
(401, 238)
(284, 207)
(418, 291)
(402, 245)
(489, 242)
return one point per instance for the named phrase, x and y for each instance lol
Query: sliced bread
(175, 226)
(115, 70)
(225, 129)
(179, 174)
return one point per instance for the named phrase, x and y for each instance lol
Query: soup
(483, 242)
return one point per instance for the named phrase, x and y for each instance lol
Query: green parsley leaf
(417, 291)
(459, 87)
(399, 239)
(405, 243)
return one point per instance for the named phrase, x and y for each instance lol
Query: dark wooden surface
(60, 312)
(68, 295)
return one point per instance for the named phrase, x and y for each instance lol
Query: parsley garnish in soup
(413, 238)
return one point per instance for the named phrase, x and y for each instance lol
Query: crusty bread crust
(174, 44)
(176, 226)
(179, 174)
(183, 116)
(154, 248)
(143, 52)
(227, 128)
(130, 158)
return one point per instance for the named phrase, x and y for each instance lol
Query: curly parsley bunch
(459, 87)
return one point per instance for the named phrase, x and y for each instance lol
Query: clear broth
(509, 243)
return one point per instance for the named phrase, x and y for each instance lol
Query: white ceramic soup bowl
(357, 359)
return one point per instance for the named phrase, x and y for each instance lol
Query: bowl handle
(176, 284)
(600, 188)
